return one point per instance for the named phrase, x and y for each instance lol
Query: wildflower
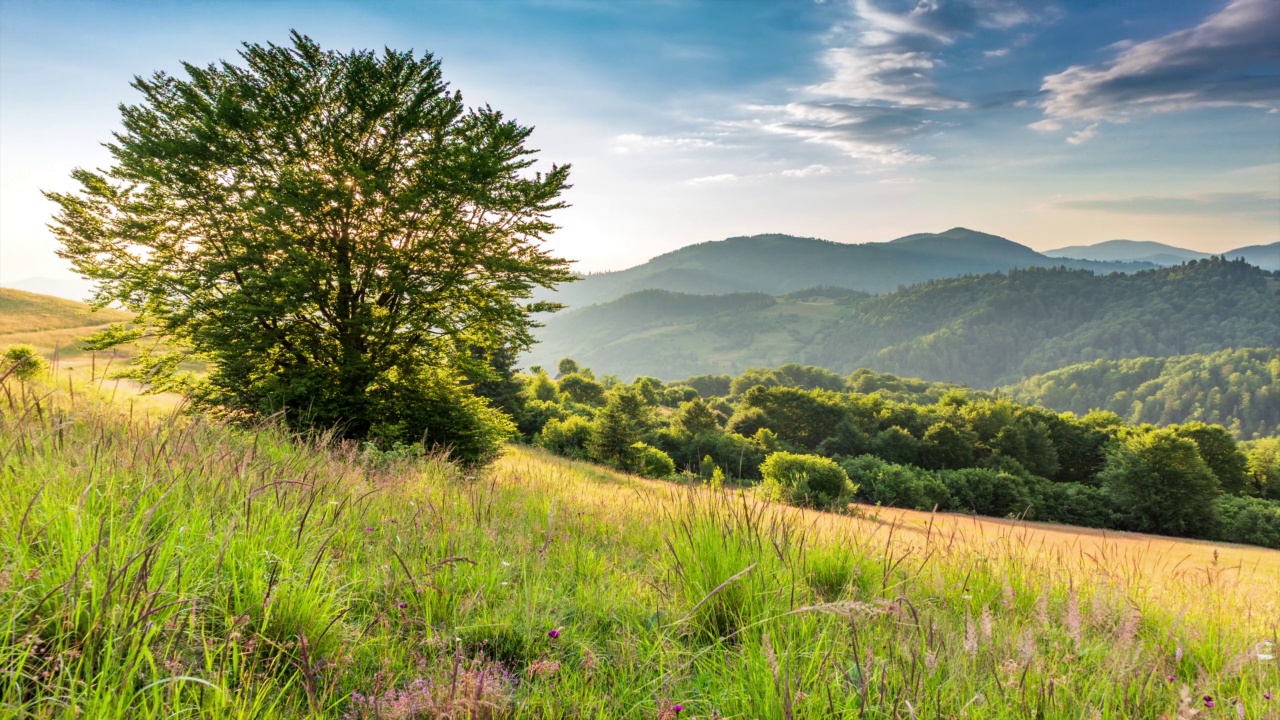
(1208, 703)
(677, 709)
(368, 528)
(1170, 678)
(553, 634)
(402, 605)
(1240, 711)
(1266, 696)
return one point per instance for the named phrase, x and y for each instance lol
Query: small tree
(1159, 483)
(23, 362)
(804, 479)
(624, 421)
(1220, 452)
(324, 229)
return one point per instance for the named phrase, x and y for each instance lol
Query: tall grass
(167, 566)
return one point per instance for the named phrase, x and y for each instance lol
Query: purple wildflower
(402, 605)
(677, 709)
(1266, 696)
(1170, 678)
(1208, 703)
(553, 634)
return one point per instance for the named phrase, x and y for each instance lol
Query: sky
(1049, 123)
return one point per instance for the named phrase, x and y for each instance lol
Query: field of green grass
(158, 566)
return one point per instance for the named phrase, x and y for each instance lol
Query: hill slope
(255, 575)
(983, 330)
(779, 264)
(1266, 257)
(1236, 388)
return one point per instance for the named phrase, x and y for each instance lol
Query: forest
(985, 330)
(811, 437)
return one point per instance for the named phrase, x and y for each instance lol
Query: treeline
(980, 330)
(817, 438)
(1236, 388)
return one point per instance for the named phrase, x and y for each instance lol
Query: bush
(651, 462)
(1248, 520)
(568, 437)
(1072, 503)
(903, 486)
(804, 479)
(23, 361)
(986, 492)
(436, 410)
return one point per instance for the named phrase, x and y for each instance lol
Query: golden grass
(26, 313)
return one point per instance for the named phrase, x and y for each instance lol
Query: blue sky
(690, 120)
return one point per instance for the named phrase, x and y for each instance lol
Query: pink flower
(677, 708)
(553, 634)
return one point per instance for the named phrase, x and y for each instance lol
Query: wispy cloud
(880, 90)
(1231, 58)
(634, 142)
(1217, 204)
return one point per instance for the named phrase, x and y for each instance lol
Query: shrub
(1073, 503)
(23, 361)
(568, 437)
(437, 410)
(986, 492)
(651, 462)
(903, 486)
(804, 479)
(1248, 520)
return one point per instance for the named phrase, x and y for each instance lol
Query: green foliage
(23, 361)
(1248, 520)
(621, 424)
(651, 462)
(986, 492)
(581, 389)
(1264, 468)
(892, 485)
(568, 437)
(1239, 389)
(804, 479)
(327, 231)
(437, 410)
(1159, 483)
(1220, 452)
(567, 366)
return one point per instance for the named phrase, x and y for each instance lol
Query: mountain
(70, 288)
(779, 264)
(1236, 388)
(1266, 257)
(980, 330)
(1129, 251)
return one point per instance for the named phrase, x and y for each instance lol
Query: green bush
(568, 437)
(437, 410)
(651, 462)
(1161, 484)
(23, 361)
(892, 485)
(804, 479)
(1072, 503)
(986, 492)
(1253, 521)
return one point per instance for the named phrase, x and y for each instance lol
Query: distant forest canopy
(880, 439)
(1236, 388)
(984, 331)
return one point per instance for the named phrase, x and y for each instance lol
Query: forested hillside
(980, 330)
(780, 264)
(1236, 388)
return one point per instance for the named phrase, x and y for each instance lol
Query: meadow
(157, 564)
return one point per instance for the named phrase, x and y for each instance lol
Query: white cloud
(1229, 59)
(714, 179)
(1080, 137)
(807, 171)
(633, 142)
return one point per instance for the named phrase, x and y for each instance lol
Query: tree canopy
(335, 234)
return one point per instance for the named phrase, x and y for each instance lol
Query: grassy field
(167, 566)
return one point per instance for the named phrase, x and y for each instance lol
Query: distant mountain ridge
(777, 264)
(1266, 257)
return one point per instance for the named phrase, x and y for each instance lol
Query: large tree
(334, 233)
